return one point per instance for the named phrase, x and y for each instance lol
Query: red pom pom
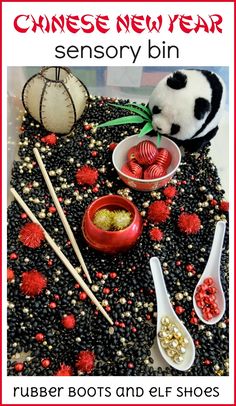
(50, 139)
(135, 168)
(33, 282)
(131, 153)
(189, 223)
(85, 361)
(87, 175)
(154, 171)
(158, 212)
(10, 275)
(31, 235)
(126, 171)
(68, 321)
(170, 192)
(156, 234)
(224, 206)
(163, 158)
(64, 370)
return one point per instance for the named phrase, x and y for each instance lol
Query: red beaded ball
(154, 171)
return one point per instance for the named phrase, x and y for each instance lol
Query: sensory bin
(58, 331)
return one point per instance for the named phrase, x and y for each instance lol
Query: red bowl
(111, 242)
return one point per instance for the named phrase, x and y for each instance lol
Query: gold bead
(164, 343)
(171, 353)
(165, 321)
(162, 334)
(181, 349)
(173, 344)
(178, 359)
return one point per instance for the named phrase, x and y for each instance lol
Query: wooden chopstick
(61, 213)
(61, 255)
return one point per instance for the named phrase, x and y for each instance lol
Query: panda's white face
(180, 104)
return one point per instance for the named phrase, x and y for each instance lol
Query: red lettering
(101, 24)
(152, 25)
(71, 22)
(60, 21)
(135, 23)
(184, 23)
(122, 21)
(88, 23)
(16, 23)
(215, 24)
(39, 24)
(172, 21)
(201, 24)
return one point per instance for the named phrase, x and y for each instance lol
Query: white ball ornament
(55, 98)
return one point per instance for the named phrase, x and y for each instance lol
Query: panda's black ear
(202, 106)
(156, 110)
(177, 81)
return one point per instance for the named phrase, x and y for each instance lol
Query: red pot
(111, 242)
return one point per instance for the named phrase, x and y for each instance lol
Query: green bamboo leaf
(134, 109)
(146, 129)
(122, 120)
(158, 139)
(144, 108)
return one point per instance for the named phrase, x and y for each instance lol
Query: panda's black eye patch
(177, 81)
(156, 110)
(174, 129)
(202, 106)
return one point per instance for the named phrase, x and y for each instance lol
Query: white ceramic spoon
(212, 270)
(165, 309)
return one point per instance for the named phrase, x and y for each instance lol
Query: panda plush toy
(187, 106)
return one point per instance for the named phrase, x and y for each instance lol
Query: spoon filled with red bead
(208, 297)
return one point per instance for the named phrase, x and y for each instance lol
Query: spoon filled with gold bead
(174, 341)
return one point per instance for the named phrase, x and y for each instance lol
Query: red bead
(207, 362)
(197, 343)
(189, 267)
(194, 320)
(19, 366)
(95, 189)
(213, 202)
(60, 199)
(52, 305)
(50, 262)
(108, 308)
(10, 275)
(133, 329)
(116, 289)
(23, 215)
(39, 337)
(122, 325)
(112, 146)
(83, 296)
(148, 317)
(179, 309)
(106, 291)
(87, 127)
(94, 153)
(52, 209)
(113, 275)
(209, 281)
(216, 312)
(178, 263)
(45, 362)
(13, 255)
(77, 285)
(57, 297)
(117, 323)
(200, 303)
(99, 275)
(130, 365)
(212, 290)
